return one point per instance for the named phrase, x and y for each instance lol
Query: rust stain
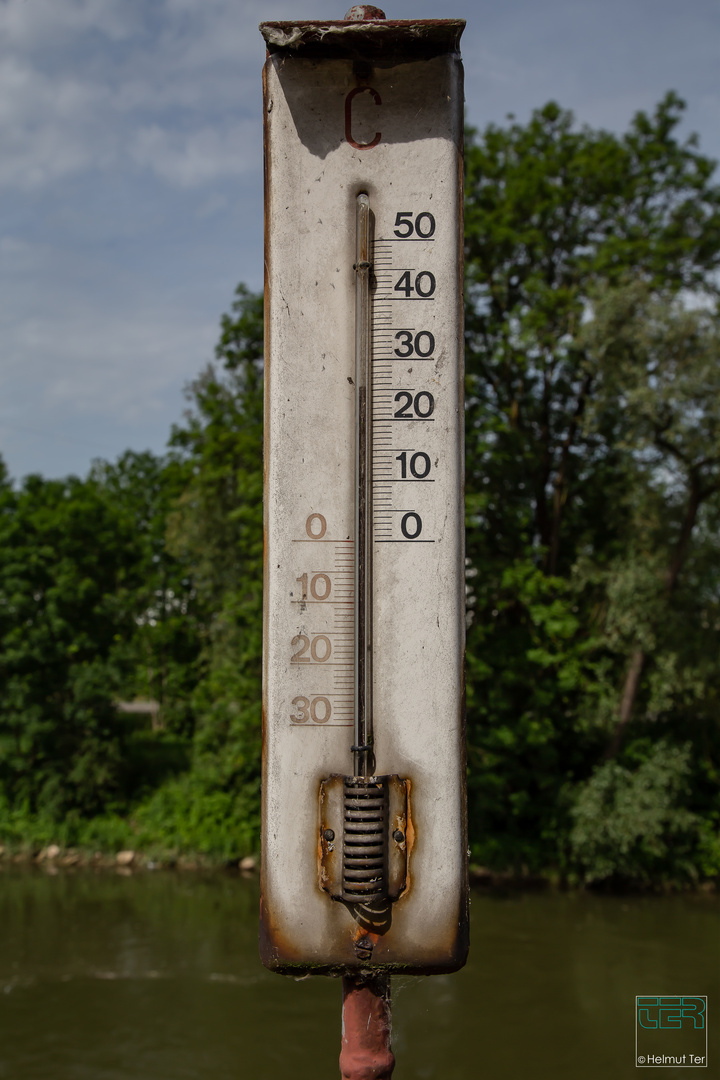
(409, 839)
(348, 117)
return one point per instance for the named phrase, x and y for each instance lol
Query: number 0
(326, 710)
(411, 525)
(428, 228)
(316, 531)
(424, 224)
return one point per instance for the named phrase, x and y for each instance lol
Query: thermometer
(364, 834)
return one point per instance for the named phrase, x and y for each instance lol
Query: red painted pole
(366, 1028)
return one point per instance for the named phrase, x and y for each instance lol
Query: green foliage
(583, 392)
(631, 823)
(66, 568)
(21, 830)
(551, 214)
(199, 813)
(526, 667)
(141, 583)
(215, 532)
(593, 517)
(163, 649)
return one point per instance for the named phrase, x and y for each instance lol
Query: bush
(630, 824)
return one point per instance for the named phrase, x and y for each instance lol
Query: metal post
(366, 1028)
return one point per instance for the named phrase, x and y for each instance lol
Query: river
(155, 976)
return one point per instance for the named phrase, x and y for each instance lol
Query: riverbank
(54, 859)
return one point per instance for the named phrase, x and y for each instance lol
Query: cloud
(43, 126)
(42, 24)
(97, 371)
(200, 156)
(173, 86)
(131, 190)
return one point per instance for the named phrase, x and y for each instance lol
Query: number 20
(304, 642)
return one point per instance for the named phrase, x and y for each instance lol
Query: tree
(554, 215)
(593, 516)
(67, 563)
(659, 378)
(215, 533)
(163, 651)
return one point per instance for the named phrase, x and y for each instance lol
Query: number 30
(309, 709)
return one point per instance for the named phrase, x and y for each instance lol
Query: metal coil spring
(364, 839)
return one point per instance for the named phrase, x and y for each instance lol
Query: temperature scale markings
(317, 664)
(344, 621)
(341, 696)
(385, 338)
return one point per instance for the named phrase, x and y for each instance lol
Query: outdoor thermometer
(364, 834)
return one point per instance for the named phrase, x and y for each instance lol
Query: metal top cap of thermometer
(364, 33)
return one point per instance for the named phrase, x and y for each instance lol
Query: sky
(131, 178)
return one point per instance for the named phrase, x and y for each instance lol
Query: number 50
(423, 226)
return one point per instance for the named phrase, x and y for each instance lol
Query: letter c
(348, 117)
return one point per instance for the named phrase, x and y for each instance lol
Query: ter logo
(671, 1012)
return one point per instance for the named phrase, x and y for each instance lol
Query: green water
(156, 976)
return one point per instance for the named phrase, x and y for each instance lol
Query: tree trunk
(560, 485)
(542, 522)
(691, 513)
(637, 662)
(627, 701)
